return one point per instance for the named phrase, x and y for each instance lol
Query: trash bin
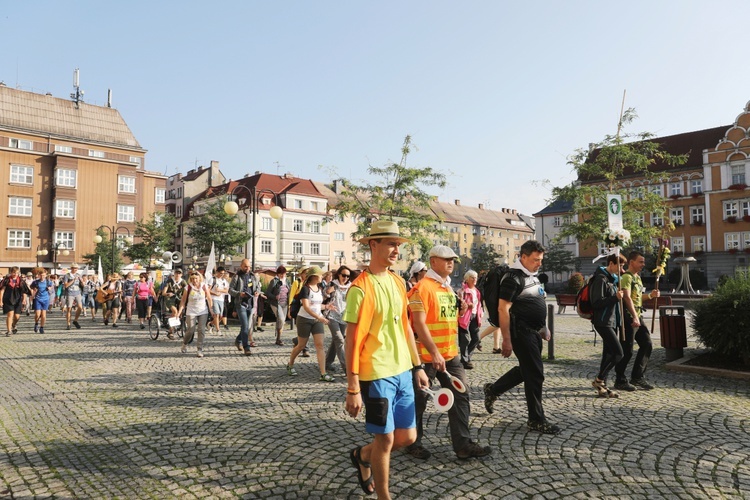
(673, 331)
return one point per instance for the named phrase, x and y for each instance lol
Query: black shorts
(15, 308)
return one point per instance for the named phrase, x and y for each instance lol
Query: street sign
(614, 211)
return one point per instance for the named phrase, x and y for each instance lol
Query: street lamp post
(57, 249)
(41, 251)
(231, 208)
(113, 230)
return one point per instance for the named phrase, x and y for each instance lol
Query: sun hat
(417, 267)
(443, 252)
(384, 229)
(314, 271)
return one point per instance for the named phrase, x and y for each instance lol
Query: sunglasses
(345, 275)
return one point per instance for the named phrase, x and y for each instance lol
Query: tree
(156, 235)
(557, 259)
(396, 195)
(215, 226)
(485, 258)
(600, 168)
(104, 250)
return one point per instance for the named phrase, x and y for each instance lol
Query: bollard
(551, 326)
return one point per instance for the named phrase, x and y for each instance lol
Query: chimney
(214, 164)
(458, 203)
(481, 206)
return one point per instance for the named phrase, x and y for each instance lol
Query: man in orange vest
(434, 308)
(381, 355)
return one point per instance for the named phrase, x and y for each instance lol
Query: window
(731, 240)
(21, 174)
(315, 248)
(65, 177)
(745, 207)
(314, 206)
(20, 207)
(516, 236)
(265, 246)
(696, 187)
(19, 238)
(159, 195)
(65, 209)
(21, 144)
(125, 184)
(678, 244)
(636, 193)
(600, 247)
(699, 243)
(64, 238)
(63, 149)
(730, 209)
(738, 174)
(745, 240)
(675, 189)
(656, 219)
(338, 236)
(657, 189)
(338, 218)
(297, 248)
(640, 219)
(298, 204)
(266, 224)
(122, 241)
(315, 226)
(136, 159)
(697, 215)
(125, 213)
(676, 214)
(96, 154)
(557, 221)
(298, 225)
(178, 211)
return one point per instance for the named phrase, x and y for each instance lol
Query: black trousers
(611, 352)
(643, 338)
(527, 346)
(468, 339)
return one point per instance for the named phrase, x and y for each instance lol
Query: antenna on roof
(109, 98)
(77, 96)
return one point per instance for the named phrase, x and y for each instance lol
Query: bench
(663, 301)
(564, 300)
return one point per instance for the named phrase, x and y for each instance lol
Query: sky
(495, 94)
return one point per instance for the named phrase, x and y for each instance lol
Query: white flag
(100, 275)
(210, 266)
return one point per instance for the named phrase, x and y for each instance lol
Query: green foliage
(396, 195)
(104, 250)
(485, 258)
(600, 167)
(156, 235)
(226, 231)
(557, 259)
(722, 321)
(575, 282)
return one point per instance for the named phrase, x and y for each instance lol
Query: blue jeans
(244, 314)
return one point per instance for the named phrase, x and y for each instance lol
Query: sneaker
(68, 327)
(327, 378)
(473, 450)
(479, 347)
(601, 387)
(640, 383)
(418, 451)
(114, 325)
(290, 370)
(36, 327)
(75, 323)
(624, 385)
(15, 331)
(259, 329)
(305, 353)
(468, 365)
(248, 352)
(143, 326)
(226, 327)
(543, 427)
(238, 345)
(183, 349)
(489, 398)
(106, 322)
(41, 329)
(200, 354)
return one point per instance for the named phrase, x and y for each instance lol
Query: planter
(731, 219)
(676, 196)
(746, 218)
(697, 223)
(738, 187)
(696, 195)
(733, 250)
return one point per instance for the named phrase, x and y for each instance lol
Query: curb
(680, 366)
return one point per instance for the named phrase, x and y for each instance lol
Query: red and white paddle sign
(442, 398)
(456, 383)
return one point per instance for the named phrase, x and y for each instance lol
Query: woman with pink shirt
(468, 323)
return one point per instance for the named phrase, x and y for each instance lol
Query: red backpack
(583, 301)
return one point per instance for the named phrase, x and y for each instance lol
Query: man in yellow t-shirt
(380, 355)
(434, 309)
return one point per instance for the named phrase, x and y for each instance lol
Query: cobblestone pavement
(103, 412)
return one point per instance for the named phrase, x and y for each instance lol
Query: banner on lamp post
(614, 212)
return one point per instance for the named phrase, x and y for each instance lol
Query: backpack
(296, 305)
(489, 286)
(583, 301)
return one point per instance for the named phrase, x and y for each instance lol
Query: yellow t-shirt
(385, 351)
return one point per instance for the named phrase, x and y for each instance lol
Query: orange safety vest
(367, 312)
(442, 318)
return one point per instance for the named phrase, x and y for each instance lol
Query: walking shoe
(600, 386)
(473, 450)
(200, 353)
(106, 322)
(305, 353)
(279, 342)
(183, 349)
(248, 352)
(258, 329)
(68, 327)
(489, 398)
(331, 369)
(640, 383)
(226, 328)
(41, 329)
(624, 385)
(15, 331)
(170, 336)
(291, 371)
(7, 334)
(143, 326)
(238, 345)
(114, 325)
(543, 427)
(468, 365)
(418, 451)
(75, 323)
(327, 378)
(36, 327)
(479, 347)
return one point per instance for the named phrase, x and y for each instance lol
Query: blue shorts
(41, 305)
(389, 403)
